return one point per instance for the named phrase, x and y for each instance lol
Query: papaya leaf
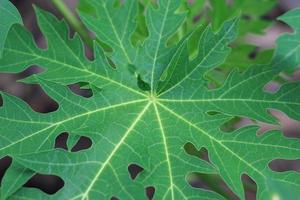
(9, 15)
(132, 125)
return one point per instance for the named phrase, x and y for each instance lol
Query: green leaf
(9, 15)
(15, 177)
(252, 22)
(148, 128)
(60, 48)
(154, 54)
(213, 51)
(106, 24)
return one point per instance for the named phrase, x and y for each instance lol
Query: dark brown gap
(1, 100)
(114, 198)
(291, 127)
(197, 18)
(246, 17)
(296, 76)
(49, 184)
(282, 165)
(192, 150)
(273, 14)
(250, 187)
(134, 170)
(82, 144)
(253, 54)
(61, 141)
(5, 162)
(231, 125)
(196, 182)
(30, 20)
(265, 128)
(211, 182)
(79, 90)
(272, 87)
(41, 102)
(89, 53)
(287, 125)
(150, 191)
(30, 93)
(212, 113)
